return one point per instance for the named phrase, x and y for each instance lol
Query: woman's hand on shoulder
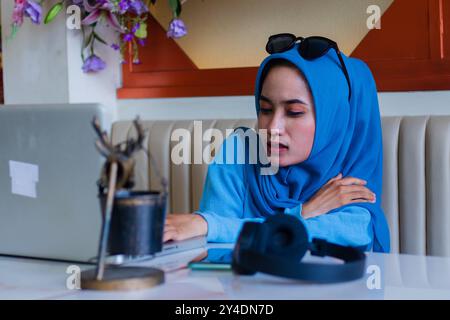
(336, 193)
(181, 226)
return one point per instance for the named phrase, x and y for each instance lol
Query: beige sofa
(416, 176)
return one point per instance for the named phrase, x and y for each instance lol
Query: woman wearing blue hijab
(324, 115)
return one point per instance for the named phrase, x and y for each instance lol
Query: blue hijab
(347, 140)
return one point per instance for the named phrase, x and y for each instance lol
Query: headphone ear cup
(241, 270)
(249, 240)
(286, 237)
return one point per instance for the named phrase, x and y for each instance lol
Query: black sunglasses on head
(310, 48)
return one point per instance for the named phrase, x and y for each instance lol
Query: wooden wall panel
(166, 71)
(410, 52)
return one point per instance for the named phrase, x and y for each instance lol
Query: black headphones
(277, 246)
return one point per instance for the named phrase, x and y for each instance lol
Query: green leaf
(89, 39)
(142, 31)
(175, 5)
(53, 12)
(96, 36)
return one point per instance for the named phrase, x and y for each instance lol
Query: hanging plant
(127, 17)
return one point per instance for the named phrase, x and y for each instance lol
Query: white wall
(391, 103)
(42, 64)
(187, 108)
(34, 62)
(414, 103)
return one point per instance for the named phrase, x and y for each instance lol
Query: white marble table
(401, 277)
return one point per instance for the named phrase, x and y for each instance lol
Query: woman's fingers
(346, 181)
(183, 226)
(354, 188)
(169, 228)
(173, 234)
(361, 201)
(339, 176)
(170, 219)
(351, 180)
(338, 192)
(358, 196)
(168, 235)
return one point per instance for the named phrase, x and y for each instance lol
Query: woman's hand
(183, 226)
(336, 193)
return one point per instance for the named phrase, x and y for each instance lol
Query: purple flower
(34, 11)
(128, 37)
(95, 10)
(115, 46)
(124, 6)
(93, 64)
(141, 41)
(135, 27)
(177, 29)
(138, 6)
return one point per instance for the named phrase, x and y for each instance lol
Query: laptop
(48, 193)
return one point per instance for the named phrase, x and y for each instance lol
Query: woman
(327, 125)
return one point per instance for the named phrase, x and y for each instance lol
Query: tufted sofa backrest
(416, 174)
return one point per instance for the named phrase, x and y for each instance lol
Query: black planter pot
(137, 222)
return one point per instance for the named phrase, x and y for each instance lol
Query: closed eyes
(288, 113)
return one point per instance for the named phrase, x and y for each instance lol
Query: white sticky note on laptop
(24, 177)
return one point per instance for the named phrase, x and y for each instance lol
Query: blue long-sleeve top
(226, 206)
